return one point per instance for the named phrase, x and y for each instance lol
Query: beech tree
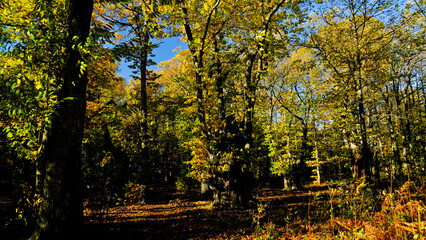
(262, 89)
(61, 81)
(135, 25)
(225, 47)
(60, 211)
(350, 54)
(297, 87)
(59, 165)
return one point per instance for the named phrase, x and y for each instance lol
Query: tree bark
(60, 214)
(365, 158)
(249, 101)
(233, 188)
(121, 163)
(302, 168)
(144, 37)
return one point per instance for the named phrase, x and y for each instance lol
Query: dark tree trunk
(233, 188)
(365, 158)
(300, 172)
(121, 163)
(396, 155)
(249, 100)
(197, 59)
(144, 37)
(60, 214)
(303, 173)
(41, 166)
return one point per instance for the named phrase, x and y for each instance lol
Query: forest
(280, 119)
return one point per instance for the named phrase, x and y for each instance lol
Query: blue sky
(164, 52)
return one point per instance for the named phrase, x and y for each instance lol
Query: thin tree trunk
(317, 163)
(363, 163)
(290, 158)
(249, 101)
(220, 79)
(144, 105)
(41, 166)
(396, 155)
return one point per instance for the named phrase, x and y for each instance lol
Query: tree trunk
(205, 185)
(365, 158)
(121, 163)
(290, 158)
(60, 214)
(396, 155)
(250, 91)
(145, 171)
(197, 59)
(219, 80)
(302, 170)
(317, 163)
(233, 189)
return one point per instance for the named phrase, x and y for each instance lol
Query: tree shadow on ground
(171, 215)
(186, 216)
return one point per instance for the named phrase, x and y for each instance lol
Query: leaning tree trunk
(60, 214)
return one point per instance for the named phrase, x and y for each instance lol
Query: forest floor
(327, 211)
(173, 215)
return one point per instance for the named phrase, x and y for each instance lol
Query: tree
(60, 212)
(350, 54)
(105, 163)
(297, 86)
(50, 76)
(224, 48)
(138, 23)
(203, 34)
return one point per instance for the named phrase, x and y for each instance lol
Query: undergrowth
(348, 211)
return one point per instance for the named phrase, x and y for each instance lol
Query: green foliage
(31, 56)
(264, 228)
(309, 88)
(27, 78)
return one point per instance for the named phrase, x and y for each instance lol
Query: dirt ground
(171, 215)
(186, 216)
